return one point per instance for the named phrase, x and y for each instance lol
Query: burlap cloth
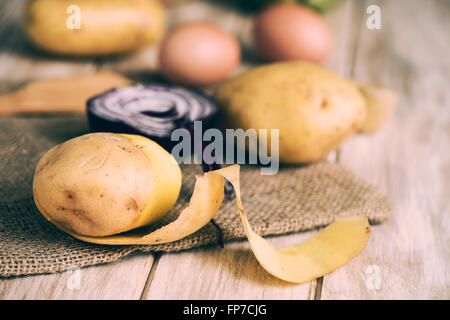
(297, 198)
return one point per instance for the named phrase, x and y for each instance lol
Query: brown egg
(291, 32)
(198, 54)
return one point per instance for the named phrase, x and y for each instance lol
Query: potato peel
(330, 249)
(60, 95)
(380, 104)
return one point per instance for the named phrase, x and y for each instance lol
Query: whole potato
(106, 26)
(314, 109)
(101, 183)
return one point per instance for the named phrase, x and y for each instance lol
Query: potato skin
(107, 26)
(97, 184)
(380, 104)
(314, 108)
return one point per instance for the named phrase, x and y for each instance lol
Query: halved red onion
(149, 110)
(153, 111)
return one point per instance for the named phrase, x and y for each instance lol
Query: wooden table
(408, 257)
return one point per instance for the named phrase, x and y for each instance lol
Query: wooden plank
(229, 273)
(344, 22)
(407, 257)
(233, 272)
(124, 279)
(347, 17)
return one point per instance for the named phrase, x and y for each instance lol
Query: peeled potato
(203, 206)
(105, 27)
(101, 184)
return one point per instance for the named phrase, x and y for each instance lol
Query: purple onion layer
(153, 111)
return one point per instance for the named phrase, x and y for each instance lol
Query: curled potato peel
(328, 250)
(380, 104)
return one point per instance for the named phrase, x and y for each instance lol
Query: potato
(101, 184)
(106, 26)
(314, 109)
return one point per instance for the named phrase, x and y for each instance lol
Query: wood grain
(229, 273)
(409, 159)
(120, 280)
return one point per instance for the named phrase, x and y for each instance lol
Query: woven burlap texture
(296, 199)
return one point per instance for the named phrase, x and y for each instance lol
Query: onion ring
(153, 111)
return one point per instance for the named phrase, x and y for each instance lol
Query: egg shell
(292, 32)
(199, 54)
